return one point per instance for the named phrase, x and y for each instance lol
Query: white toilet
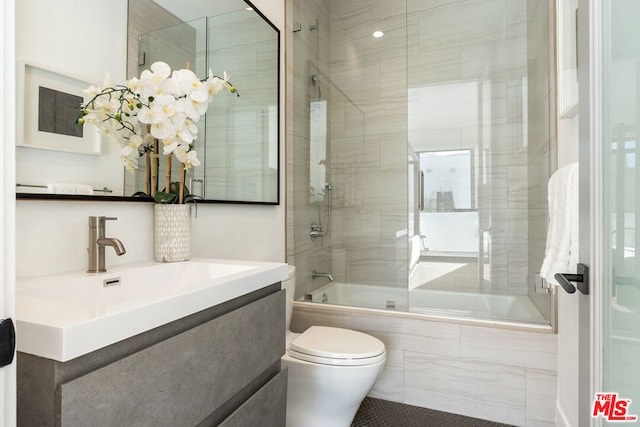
(331, 370)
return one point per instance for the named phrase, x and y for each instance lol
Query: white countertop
(65, 316)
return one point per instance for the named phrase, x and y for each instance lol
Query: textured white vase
(172, 237)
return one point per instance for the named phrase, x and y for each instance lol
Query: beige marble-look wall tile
(498, 60)
(390, 384)
(434, 66)
(462, 24)
(515, 348)
(516, 18)
(518, 187)
(418, 335)
(303, 319)
(478, 389)
(541, 398)
(345, 14)
(417, 6)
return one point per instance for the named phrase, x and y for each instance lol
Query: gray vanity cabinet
(220, 366)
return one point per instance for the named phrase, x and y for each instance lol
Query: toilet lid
(336, 346)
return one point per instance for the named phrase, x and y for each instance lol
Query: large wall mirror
(238, 140)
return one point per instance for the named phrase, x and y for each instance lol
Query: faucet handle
(98, 221)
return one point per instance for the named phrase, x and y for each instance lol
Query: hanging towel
(561, 254)
(70, 189)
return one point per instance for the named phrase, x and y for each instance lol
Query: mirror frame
(94, 198)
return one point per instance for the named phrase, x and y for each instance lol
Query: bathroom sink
(65, 316)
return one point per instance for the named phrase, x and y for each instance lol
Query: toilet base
(326, 395)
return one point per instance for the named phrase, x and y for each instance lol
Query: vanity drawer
(267, 407)
(181, 380)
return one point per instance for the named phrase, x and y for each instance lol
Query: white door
(7, 205)
(615, 99)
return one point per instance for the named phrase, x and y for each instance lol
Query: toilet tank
(290, 286)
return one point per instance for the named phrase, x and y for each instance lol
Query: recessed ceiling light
(378, 34)
(248, 8)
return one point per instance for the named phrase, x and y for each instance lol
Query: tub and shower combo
(419, 155)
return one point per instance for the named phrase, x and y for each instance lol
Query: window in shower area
(448, 225)
(437, 151)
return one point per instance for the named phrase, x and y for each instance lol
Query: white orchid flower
(189, 158)
(216, 85)
(163, 129)
(130, 162)
(171, 87)
(187, 81)
(170, 104)
(186, 129)
(150, 116)
(170, 144)
(157, 74)
(194, 109)
(107, 81)
(127, 150)
(91, 91)
(135, 141)
(165, 105)
(111, 135)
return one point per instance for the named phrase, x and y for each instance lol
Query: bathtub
(463, 305)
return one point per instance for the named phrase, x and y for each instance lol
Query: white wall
(66, 37)
(52, 235)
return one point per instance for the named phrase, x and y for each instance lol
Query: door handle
(582, 279)
(7, 342)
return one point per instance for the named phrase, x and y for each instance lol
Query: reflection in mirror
(47, 162)
(238, 140)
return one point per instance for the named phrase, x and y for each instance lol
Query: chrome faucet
(315, 274)
(98, 241)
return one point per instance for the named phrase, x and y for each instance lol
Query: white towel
(70, 189)
(561, 254)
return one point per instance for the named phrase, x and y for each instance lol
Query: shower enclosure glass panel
(468, 91)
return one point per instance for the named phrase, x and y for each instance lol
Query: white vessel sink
(65, 316)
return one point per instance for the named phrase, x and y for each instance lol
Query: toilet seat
(337, 346)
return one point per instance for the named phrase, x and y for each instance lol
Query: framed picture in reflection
(48, 109)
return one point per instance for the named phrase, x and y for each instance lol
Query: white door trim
(590, 54)
(7, 200)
